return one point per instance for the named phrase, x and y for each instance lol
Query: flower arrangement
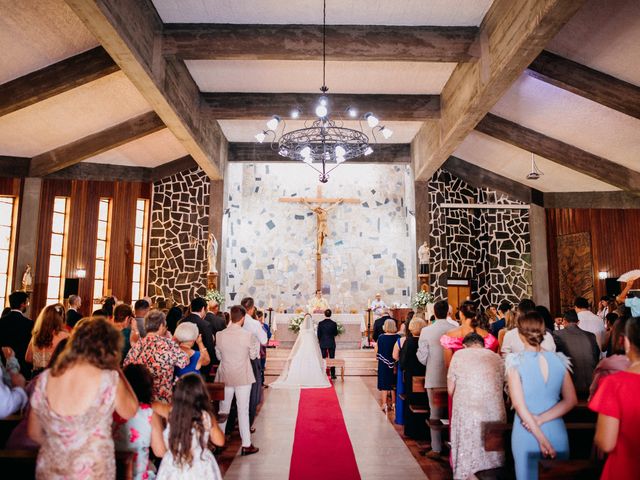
(296, 322)
(214, 295)
(340, 328)
(422, 299)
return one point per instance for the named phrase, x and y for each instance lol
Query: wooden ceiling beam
(252, 106)
(14, 166)
(260, 153)
(103, 172)
(75, 152)
(511, 35)
(173, 167)
(131, 32)
(560, 152)
(304, 42)
(482, 178)
(614, 199)
(586, 82)
(55, 79)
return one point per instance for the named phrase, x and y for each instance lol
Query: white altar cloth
(283, 319)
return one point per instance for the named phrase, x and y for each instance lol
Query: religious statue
(27, 279)
(321, 216)
(423, 255)
(212, 253)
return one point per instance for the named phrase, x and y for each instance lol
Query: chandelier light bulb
(386, 132)
(273, 123)
(372, 120)
(305, 152)
(340, 159)
(323, 101)
(295, 113)
(368, 151)
(340, 151)
(352, 112)
(321, 111)
(261, 136)
(307, 160)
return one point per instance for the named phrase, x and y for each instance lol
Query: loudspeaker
(70, 287)
(613, 286)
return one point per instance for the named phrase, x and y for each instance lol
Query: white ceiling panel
(70, 116)
(515, 163)
(245, 130)
(572, 119)
(288, 76)
(149, 151)
(339, 12)
(37, 33)
(604, 35)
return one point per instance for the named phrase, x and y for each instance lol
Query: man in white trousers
(235, 348)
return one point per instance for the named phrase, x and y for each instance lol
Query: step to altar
(357, 362)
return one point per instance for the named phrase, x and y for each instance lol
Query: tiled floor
(380, 452)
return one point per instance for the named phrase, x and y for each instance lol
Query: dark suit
(204, 327)
(218, 324)
(15, 332)
(327, 332)
(378, 326)
(582, 348)
(73, 317)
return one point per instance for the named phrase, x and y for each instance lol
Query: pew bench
(495, 434)
(216, 391)
(6, 427)
(336, 363)
(569, 469)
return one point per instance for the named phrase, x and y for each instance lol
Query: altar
(354, 327)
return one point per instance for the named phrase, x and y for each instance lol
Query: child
(183, 444)
(186, 335)
(134, 435)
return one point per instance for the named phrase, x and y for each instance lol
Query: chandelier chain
(324, 46)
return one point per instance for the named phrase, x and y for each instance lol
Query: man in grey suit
(430, 354)
(582, 348)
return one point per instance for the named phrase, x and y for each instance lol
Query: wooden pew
(417, 386)
(336, 363)
(440, 400)
(569, 469)
(22, 464)
(6, 427)
(216, 391)
(496, 434)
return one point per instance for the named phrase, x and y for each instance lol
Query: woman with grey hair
(386, 363)
(186, 335)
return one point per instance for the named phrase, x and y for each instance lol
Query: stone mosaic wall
(490, 246)
(178, 237)
(269, 246)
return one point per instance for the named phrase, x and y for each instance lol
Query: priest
(318, 304)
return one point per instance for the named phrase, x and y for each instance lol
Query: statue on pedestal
(27, 279)
(423, 255)
(212, 253)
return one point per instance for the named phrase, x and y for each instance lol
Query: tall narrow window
(7, 220)
(139, 250)
(58, 250)
(102, 252)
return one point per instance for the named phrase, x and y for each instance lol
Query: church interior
(354, 160)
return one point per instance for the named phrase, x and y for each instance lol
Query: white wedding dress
(305, 367)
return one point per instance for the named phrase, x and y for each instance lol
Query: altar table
(353, 323)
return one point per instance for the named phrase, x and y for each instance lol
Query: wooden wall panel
(82, 234)
(615, 243)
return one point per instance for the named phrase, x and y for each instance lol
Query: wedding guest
(122, 320)
(616, 402)
(501, 320)
(48, 331)
(452, 340)
(431, 354)
(378, 325)
(603, 307)
(588, 320)
(198, 311)
(15, 329)
(236, 348)
(13, 397)
(510, 324)
(475, 382)
(617, 362)
(408, 363)
(609, 321)
(549, 323)
(73, 402)
(254, 326)
(187, 335)
(512, 341)
(174, 315)
(159, 354)
(384, 354)
(214, 317)
(537, 379)
(140, 310)
(327, 332)
(134, 434)
(106, 311)
(263, 348)
(582, 348)
(183, 446)
(73, 313)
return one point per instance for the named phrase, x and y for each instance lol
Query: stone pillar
(422, 227)
(539, 260)
(27, 235)
(216, 210)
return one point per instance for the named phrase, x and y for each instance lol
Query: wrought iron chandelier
(324, 144)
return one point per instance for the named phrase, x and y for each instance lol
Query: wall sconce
(603, 275)
(81, 273)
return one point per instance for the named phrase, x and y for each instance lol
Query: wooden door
(457, 295)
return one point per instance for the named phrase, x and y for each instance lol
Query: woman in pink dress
(452, 340)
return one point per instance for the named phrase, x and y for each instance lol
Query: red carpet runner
(321, 448)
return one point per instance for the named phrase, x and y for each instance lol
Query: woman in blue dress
(187, 335)
(541, 392)
(384, 353)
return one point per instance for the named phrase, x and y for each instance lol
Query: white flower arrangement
(214, 295)
(296, 322)
(422, 299)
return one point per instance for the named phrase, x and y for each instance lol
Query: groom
(327, 331)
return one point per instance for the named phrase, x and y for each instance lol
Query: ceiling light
(368, 151)
(81, 273)
(371, 119)
(261, 136)
(305, 152)
(535, 172)
(603, 275)
(386, 132)
(273, 123)
(340, 151)
(295, 113)
(321, 111)
(340, 159)
(352, 112)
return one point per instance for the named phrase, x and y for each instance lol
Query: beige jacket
(235, 347)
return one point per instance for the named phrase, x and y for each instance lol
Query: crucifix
(315, 205)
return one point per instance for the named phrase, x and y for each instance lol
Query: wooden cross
(315, 205)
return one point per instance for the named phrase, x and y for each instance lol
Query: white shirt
(512, 343)
(378, 306)
(590, 322)
(255, 327)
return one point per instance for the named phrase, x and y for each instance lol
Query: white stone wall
(269, 246)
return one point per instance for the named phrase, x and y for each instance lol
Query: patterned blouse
(160, 355)
(134, 435)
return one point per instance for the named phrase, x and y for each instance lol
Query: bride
(305, 367)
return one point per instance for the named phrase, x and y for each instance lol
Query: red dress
(617, 397)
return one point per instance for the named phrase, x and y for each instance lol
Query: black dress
(386, 377)
(414, 424)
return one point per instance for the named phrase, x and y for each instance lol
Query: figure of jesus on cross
(315, 205)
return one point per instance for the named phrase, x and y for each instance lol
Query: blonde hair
(390, 326)
(416, 325)
(510, 320)
(186, 332)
